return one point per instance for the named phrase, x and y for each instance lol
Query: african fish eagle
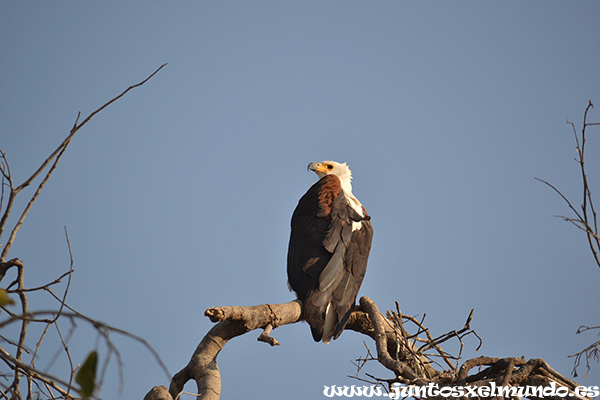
(328, 251)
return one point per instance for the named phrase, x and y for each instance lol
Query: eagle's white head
(340, 170)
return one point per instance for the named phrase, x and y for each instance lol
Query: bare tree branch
(38, 381)
(396, 350)
(54, 158)
(585, 219)
(232, 321)
(591, 352)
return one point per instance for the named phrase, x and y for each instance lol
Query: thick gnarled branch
(396, 350)
(232, 321)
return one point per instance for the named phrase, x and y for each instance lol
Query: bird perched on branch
(328, 251)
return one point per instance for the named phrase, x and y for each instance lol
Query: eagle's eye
(329, 166)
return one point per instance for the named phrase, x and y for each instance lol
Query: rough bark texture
(232, 321)
(397, 350)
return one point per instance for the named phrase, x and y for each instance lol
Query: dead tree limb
(232, 321)
(396, 350)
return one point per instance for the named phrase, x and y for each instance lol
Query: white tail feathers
(329, 325)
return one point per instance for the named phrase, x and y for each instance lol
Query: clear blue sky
(178, 197)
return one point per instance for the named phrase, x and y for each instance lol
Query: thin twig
(56, 155)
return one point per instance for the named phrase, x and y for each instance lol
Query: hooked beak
(318, 168)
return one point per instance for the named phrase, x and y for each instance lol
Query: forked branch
(396, 350)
